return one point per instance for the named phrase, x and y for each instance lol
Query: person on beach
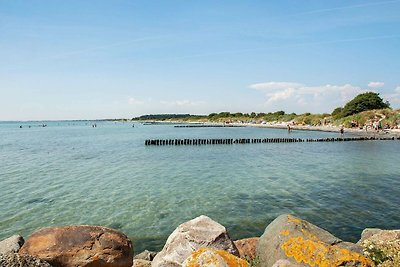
(341, 130)
(288, 128)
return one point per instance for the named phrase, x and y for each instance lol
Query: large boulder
(247, 247)
(302, 243)
(83, 246)
(382, 246)
(190, 236)
(208, 257)
(11, 244)
(15, 260)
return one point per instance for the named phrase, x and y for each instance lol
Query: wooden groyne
(231, 141)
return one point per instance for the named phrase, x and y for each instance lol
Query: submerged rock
(83, 245)
(11, 244)
(382, 246)
(16, 260)
(247, 247)
(190, 236)
(304, 244)
(208, 257)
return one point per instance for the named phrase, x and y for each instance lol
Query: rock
(302, 243)
(382, 246)
(367, 233)
(285, 263)
(83, 246)
(141, 263)
(146, 255)
(208, 257)
(247, 247)
(12, 259)
(11, 244)
(190, 236)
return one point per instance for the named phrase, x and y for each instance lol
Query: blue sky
(114, 59)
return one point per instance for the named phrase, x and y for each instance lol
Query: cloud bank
(376, 84)
(297, 97)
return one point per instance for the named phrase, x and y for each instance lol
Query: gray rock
(367, 233)
(382, 246)
(190, 236)
(16, 260)
(285, 263)
(145, 255)
(304, 244)
(11, 244)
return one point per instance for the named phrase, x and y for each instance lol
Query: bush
(363, 102)
(337, 112)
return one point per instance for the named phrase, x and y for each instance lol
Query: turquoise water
(71, 173)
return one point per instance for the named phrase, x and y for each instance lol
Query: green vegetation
(167, 117)
(362, 102)
(364, 110)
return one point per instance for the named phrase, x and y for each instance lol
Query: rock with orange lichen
(302, 243)
(208, 257)
(82, 245)
(247, 247)
(190, 236)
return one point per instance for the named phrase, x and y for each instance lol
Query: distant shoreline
(326, 128)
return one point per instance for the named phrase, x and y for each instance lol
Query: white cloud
(393, 98)
(296, 97)
(281, 95)
(275, 85)
(134, 101)
(376, 84)
(181, 103)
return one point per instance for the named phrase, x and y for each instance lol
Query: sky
(121, 59)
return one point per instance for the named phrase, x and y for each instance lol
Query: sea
(71, 173)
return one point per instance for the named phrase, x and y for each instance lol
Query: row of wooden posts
(230, 141)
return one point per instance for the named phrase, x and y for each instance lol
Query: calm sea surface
(71, 173)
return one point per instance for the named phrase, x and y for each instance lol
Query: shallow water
(71, 173)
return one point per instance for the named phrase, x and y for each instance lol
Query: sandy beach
(283, 125)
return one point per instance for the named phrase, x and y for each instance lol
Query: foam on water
(71, 173)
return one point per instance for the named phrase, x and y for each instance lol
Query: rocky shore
(288, 241)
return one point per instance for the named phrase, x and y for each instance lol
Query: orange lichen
(318, 254)
(213, 258)
(285, 232)
(293, 219)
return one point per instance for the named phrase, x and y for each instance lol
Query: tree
(337, 112)
(363, 102)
